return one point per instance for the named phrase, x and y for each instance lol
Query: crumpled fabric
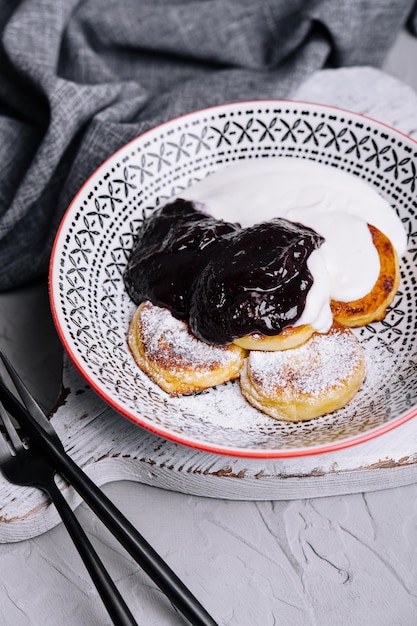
(80, 78)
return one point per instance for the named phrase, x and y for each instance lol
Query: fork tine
(10, 429)
(28, 400)
(5, 452)
(28, 467)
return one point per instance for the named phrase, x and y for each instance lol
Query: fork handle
(113, 601)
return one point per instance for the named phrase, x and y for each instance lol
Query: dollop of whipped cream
(337, 205)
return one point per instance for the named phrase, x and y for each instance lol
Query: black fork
(23, 464)
(46, 444)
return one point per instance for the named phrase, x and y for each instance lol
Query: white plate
(92, 310)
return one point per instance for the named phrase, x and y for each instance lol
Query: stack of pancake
(298, 374)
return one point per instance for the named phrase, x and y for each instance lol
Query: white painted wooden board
(109, 447)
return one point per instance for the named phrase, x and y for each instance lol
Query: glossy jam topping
(257, 281)
(225, 281)
(171, 249)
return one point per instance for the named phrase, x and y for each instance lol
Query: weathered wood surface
(111, 448)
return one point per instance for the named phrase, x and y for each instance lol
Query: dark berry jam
(171, 249)
(227, 282)
(256, 283)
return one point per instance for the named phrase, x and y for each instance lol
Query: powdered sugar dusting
(223, 414)
(323, 363)
(163, 333)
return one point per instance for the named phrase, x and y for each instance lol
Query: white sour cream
(334, 203)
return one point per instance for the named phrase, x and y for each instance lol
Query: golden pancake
(317, 378)
(164, 348)
(373, 306)
(288, 338)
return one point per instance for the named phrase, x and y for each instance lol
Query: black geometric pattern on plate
(99, 232)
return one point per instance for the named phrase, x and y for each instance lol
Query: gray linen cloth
(79, 78)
